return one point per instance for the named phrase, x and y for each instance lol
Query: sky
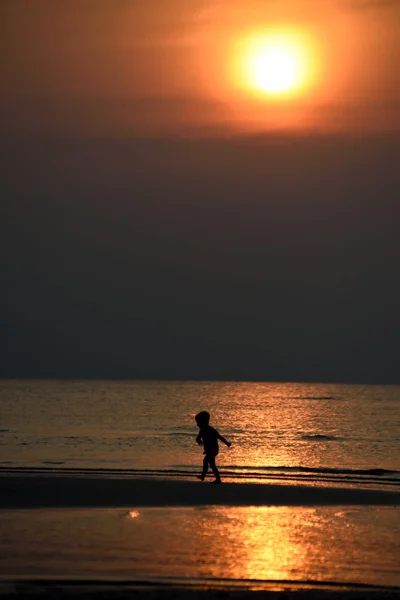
(163, 215)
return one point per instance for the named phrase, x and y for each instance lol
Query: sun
(275, 69)
(274, 63)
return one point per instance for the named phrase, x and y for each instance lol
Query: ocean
(293, 434)
(311, 432)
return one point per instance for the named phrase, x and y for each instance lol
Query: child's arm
(219, 436)
(199, 440)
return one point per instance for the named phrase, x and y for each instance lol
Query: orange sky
(149, 67)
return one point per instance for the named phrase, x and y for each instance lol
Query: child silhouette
(208, 437)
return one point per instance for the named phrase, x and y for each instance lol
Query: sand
(99, 591)
(50, 490)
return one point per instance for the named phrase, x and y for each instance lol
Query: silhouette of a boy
(208, 437)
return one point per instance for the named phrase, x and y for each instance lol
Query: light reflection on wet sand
(359, 545)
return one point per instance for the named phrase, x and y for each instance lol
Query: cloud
(363, 5)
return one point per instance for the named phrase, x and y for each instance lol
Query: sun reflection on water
(267, 424)
(261, 544)
(251, 545)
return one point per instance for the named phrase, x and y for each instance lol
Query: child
(208, 437)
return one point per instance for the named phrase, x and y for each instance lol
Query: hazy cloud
(370, 4)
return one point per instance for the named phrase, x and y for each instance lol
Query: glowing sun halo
(274, 64)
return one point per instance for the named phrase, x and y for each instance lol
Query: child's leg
(213, 466)
(205, 468)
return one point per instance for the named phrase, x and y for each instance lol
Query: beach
(87, 490)
(97, 537)
(99, 495)
(99, 591)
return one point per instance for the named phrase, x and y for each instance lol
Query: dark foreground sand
(50, 490)
(122, 592)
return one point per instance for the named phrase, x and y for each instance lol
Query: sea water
(310, 432)
(215, 545)
(297, 434)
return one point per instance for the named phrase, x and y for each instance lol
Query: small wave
(53, 462)
(179, 434)
(378, 472)
(305, 397)
(318, 437)
(318, 398)
(233, 470)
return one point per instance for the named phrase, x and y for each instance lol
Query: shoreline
(147, 590)
(66, 491)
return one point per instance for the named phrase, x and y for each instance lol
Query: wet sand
(57, 490)
(99, 591)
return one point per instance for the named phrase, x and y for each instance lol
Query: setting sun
(275, 69)
(278, 64)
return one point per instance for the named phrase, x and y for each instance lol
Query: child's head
(202, 419)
